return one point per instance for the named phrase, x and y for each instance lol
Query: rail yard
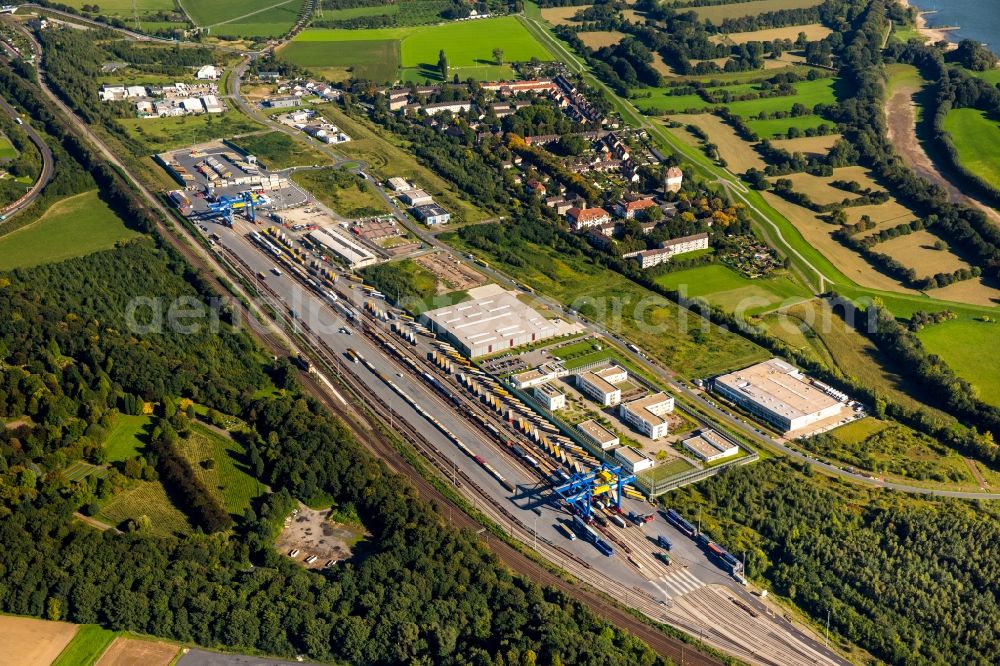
(513, 464)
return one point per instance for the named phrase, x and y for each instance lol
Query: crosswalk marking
(677, 583)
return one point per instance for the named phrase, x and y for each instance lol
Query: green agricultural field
(977, 139)
(666, 103)
(767, 129)
(7, 150)
(88, 644)
(277, 150)
(468, 46)
(808, 93)
(718, 13)
(965, 346)
(226, 473)
(720, 285)
(73, 227)
(125, 7)
(126, 437)
(146, 498)
(155, 135)
(374, 59)
(344, 192)
(250, 18)
(674, 336)
(990, 75)
(358, 12)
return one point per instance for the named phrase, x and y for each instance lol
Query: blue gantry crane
(224, 206)
(580, 490)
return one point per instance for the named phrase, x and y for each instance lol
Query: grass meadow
(73, 227)
(964, 344)
(720, 285)
(88, 644)
(977, 139)
(227, 474)
(278, 151)
(126, 437)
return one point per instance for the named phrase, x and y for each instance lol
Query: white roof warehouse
(494, 320)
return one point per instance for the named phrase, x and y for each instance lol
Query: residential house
(583, 218)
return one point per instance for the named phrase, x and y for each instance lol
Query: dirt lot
(452, 275)
(600, 38)
(311, 533)
(917, 251)
(808, 145)
(27, 641)
(306, 215)
(737, 152)
(129, 651)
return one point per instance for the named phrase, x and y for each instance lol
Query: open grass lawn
(156, 135)
(856, 432)
(977, 139)
(738, 154)
(277, 150)
(375, 59)
(146, 498)
(675, 337)
(228, 473)
(968, 346)
(667, 470)
(807, 93)
(126, 437)
(468, 46)
(718, 13)
(722, 286)
(73, 227)
(990, 75)
(388, 156)
(766, 129)
(355, 200)
(87, 646)
(7, 150)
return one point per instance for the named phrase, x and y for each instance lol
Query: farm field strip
(977, 139)
(739, 154)
(717, 13)
(813, 31)
(808, 145)
(599, 38)
(916, 250)
(28, 641)
(819, 189)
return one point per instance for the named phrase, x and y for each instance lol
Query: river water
(978, 19)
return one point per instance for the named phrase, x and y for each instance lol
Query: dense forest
(912, 581)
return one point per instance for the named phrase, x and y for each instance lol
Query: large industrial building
(646, 414)
(350, 251)
(493, 321)
(777, 392)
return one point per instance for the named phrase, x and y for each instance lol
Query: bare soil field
(561, 15)
(917, 251)
(739, 155)
(312, 533)
(819, 234)
(28, 641)
(452, 275)
(129, 651)
(818, 188)
(808, 145)
(814, 32)
(600, 38)
(974, 292)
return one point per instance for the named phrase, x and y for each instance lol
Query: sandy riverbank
(931, 35)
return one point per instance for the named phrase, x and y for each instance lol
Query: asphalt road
(44, 177)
